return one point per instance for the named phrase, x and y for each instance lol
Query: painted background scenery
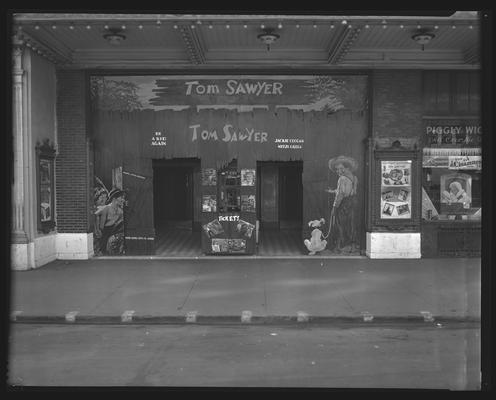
(306, 93)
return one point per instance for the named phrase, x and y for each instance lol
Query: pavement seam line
(266, 303)
(190, 290)
(348, 303)
(111, 294)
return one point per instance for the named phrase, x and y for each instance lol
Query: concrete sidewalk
(247, 290)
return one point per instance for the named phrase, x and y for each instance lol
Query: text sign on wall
(458, 135)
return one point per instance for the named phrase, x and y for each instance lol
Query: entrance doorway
(175, 218)
(280, 196)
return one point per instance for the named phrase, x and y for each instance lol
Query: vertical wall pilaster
(18, 224)
(72, 164)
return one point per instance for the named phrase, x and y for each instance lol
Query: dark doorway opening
(175, 186)
(290, 195)
(280, 211)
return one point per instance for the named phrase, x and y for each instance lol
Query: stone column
(19, 233)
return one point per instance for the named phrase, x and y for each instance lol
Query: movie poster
(213, 228)
(228, 245)
(247, 177)
(209, 177)
(209, 203)
(248, 202)
(245, 228)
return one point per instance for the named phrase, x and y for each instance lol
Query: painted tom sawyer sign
(218, 119)
(306, 93)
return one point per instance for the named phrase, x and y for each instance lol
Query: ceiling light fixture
(114, 36)
(423, 38)
(268, 37)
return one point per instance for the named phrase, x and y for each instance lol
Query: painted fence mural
(315, 119)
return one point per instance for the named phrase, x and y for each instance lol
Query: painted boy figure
(343, 208)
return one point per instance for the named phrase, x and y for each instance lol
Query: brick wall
(397, 103)
(72, 161)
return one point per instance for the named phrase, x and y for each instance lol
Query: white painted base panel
(44, 249)
(393, 245)
(21, 256)
(74, 246)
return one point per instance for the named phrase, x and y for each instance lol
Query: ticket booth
(228, 210)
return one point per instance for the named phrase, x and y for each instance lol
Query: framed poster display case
(395, 172)
(45, 165)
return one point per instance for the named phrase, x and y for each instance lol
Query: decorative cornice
(193, 44)
(84, 17)
(343, 44)
(471, 55)
(42, 49)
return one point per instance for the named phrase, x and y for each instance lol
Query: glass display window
(449, 194)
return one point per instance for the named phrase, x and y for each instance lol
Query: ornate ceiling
(151, 41)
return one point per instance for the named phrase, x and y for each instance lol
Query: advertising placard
(396, 199)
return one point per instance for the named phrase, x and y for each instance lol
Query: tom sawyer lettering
(234, 87)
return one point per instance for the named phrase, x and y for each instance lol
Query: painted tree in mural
(323, 93)
(113, 95)
(331, 95)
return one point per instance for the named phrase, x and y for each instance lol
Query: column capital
(17, 51)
